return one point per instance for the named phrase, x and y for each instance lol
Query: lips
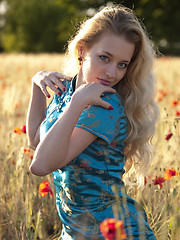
(103, 81)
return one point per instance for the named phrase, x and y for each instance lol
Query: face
(106, 62)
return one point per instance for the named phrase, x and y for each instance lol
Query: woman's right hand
(44, 79)
(91, 93)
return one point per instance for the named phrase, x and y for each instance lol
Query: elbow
(32, 144)
(38, 171)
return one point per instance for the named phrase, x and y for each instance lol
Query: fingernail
(64, 89)
(48, 96)
(110, 108)
(59, 93)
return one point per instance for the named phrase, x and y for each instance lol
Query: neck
(79, 80)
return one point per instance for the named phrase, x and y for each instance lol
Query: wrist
(78, 103)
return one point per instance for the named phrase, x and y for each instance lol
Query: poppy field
(27, 202)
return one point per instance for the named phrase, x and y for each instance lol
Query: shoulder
(97, 112)
(116, 102)
(103, 122)
(113, 98)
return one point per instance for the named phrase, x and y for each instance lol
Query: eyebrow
(112, 56)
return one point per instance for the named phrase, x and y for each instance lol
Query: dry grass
(24, 213)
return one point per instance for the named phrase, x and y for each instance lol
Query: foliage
(46, 25)
(37, 26)
(161, 19)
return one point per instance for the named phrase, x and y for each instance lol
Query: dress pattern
(84, 194)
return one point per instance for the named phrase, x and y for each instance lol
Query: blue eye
(122, 65)
(104, 58)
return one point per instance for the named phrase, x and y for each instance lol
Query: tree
(162, 22)
(36, 26)
(46, 25)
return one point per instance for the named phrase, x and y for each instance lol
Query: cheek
(121, 74)
(89, 69)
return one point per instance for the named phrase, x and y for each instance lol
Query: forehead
(114, 44)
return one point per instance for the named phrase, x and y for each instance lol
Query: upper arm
(94, 122)
(79, 141)
(33, 144)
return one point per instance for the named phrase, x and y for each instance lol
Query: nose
(111, 71)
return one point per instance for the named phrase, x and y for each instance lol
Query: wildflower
(18, 130)
(113, 229)
(30, 156)
(174, 103)
(163, 93)
(160, 99)
(44, 188)
(26, 150)
(168, 136)
(146, 179)
(177, 113)
(169, 173)
(159, 180)
(24, 129)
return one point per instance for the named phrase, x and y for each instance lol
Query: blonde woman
(81, 137)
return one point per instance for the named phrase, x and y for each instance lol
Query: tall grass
(24, 214)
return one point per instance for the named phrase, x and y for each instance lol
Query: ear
(81, 49)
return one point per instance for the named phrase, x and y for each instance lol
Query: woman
(81, 137)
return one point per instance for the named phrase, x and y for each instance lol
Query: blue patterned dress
(84, 194)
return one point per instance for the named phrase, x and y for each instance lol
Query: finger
(59, 84)
(52, 87)
(105, 104)
(62, 76)
(109, 89)
(44, 90)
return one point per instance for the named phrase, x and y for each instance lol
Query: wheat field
(24, 213)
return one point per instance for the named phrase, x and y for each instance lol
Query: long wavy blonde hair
(137, 87)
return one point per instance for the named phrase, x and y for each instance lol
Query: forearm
(52, 151)
(35, 115)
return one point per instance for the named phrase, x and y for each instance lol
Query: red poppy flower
(177, 113)
(30, 156)
(26, 150)
(159, 181)
(113, 229)
(44, 188)
(169, 173)
(174, 103)
(24, 129)
(20, 130)
(168, 136)
(17, 130)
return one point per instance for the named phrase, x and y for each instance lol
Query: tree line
(47, 25)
